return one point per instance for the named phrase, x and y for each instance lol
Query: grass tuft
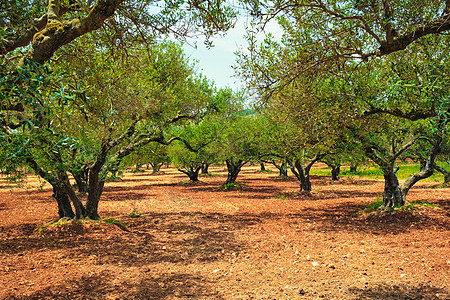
(232, 186)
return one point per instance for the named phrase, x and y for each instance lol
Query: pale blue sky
(216, 63)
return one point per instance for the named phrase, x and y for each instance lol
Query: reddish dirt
(194, 241)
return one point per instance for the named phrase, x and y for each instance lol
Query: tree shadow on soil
(345, 217)
(128, 196)
(144, 187)
(400, 292)
(335, 194)
(154, 238)
(147, 178)
(147, 286)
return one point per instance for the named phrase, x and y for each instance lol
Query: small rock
(315, 264)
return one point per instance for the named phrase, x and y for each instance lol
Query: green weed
(232, 186)
(114, 221)
(414, 205)
(134, 214)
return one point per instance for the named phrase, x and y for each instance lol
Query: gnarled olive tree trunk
(427, 169)
(263, 168)
(81, 177)
(156, 167)
(192, 172)
(233, 167)
(301, 170)
(95, 191)
(64, 207)
(282, 168)
(335, 170)
(394, 195)
(59, 192)
(205, 167)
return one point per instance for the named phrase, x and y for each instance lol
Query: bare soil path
(194, 241)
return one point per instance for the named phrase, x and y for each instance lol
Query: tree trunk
(263, 168)
(80, 211)
(233, 167)
(156, 167)
(423, 164)
(283, 168)
(301, 174)
(59, 192)
(305, 182)
(427, 169)
(81, 178)
(301, 171)
(205, 167)
(64, 207)
(95, 191)
(191, 172)
(392, 195)
(335, 170)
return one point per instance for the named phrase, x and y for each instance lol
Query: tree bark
(80, 211)
(156, 167)
(427, 169)
(392, 195)
(283, 169)
(395, 195)
(233, 167)
(64, 207)
(335, 170)
(301, 171)
(191, 172)
(81, 178)
(263, 168)
(205, 167)
(59, 192)
(302, 175)
(95, 191)
(57, 34)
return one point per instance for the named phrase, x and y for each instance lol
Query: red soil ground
(194, 241)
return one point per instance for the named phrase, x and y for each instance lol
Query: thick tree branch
(57, 34)
(438, 26)
(429, 167)
(412, 115)
(404, 147)
(22, 40)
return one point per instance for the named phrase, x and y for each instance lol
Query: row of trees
(322, 80)
(86, 84)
